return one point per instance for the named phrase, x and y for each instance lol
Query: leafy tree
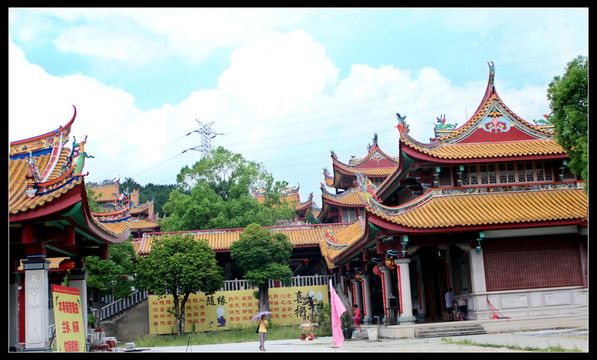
(216, 192)
(112, 276)
(92, 197)
(179, 265)
(263, 255)
(158, 193)
(569, 96)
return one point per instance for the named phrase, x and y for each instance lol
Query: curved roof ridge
(373, 149)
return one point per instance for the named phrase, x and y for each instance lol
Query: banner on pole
(68, 318)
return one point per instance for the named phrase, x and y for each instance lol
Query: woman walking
(262, 330)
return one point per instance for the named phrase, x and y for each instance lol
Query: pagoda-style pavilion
(348, 201)
(51, 231)
(488, 209)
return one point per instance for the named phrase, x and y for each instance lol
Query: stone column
(36, 305)
(368, 319)
(406, 302)
(478, 284)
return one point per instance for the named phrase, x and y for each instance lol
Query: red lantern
(376, 270)
(390, 263)
(66, 264)
(357, 277)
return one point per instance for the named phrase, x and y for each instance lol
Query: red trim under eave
(387, 225)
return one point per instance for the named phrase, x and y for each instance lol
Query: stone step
(457, 329)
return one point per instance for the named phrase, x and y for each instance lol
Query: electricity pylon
(207, 134)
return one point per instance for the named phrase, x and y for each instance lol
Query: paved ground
(573, 341)
(568, 333)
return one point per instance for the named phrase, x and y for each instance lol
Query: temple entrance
(376, 298)
(434, 267)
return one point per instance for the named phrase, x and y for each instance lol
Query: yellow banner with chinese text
(70, 330)
(233, 309)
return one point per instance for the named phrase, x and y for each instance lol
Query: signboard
(232, 309)
(70, 330)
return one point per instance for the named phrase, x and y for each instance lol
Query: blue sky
(283, 86)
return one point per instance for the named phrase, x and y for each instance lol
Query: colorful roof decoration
(494, 131)
(47, 189)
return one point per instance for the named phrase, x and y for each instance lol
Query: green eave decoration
(76, 208)
(373, 230)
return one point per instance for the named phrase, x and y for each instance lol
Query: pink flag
(338, 309)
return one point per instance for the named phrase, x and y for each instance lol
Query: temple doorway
(435, 267)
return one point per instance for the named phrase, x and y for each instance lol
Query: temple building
(488, 209)
(120, 206)
(51, 232)
(293, 197)
(306, 258)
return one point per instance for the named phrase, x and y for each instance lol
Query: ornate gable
(493, 131)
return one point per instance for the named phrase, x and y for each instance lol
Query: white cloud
(105, 44)
(278, 73)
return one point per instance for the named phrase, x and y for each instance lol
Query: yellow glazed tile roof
(352, 197)
(221, 239)
(492, 209)
(105, 193)
(366, 171)
(143, 224)
(490, 150)
(336, 242)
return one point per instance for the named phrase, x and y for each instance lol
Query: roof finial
(491, 71)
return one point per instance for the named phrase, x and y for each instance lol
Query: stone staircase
(456, 328)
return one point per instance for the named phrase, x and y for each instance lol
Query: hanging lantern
(66, 264)
(390, 263)
(376, 270)
(357, 277)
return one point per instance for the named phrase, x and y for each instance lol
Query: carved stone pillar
(36, 305)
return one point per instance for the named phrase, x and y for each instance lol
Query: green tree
(113, 276)
(569, 96)
(263, 255)
(92, 197)
(158, 193)
(179, 265)
(216, 192)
